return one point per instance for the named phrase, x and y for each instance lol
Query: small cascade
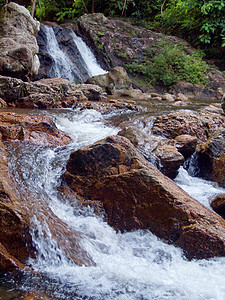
(63, 54)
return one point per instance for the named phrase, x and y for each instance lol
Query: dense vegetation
(201, 22)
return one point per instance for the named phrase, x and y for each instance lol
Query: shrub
(167, 63)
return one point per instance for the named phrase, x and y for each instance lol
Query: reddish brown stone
(210, 157)
(186, 144)
(218, 205)
(138, 196)
(17, 209)
(36, 129)
(199, 125)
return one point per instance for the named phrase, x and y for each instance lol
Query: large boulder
(210, 157)
(158, 151)
(18, 45)
(135, 195)
(15, 240)
(116, 42)
(39, 130)
(20, 222)
(115, 81)
(218, 205)
(199, 124)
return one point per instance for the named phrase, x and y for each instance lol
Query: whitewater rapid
(134, 265)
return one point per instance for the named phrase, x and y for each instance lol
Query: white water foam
(200, 189)
(134, 265)
(92, 65)
(62, 66)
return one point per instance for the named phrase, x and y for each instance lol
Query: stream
(133, 265)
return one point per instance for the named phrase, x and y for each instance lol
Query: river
(134, 265)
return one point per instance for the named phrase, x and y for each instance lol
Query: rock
(223, 103)
(168, 97)
(200, 125)
(186, 144)
(20, 216)
(15, 240)
(157, 150)
(170, 160)
(210, 158)
(117, 42)
(181, 97)
(3, 103)
(115, 81)
(218, 205)
(93, 92)
(47, 93)
(196, 91)
(135, 195)
(39, 130)
(137, 94)
(18, 45)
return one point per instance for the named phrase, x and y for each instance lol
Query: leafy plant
(166, 64)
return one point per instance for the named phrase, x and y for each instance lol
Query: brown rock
(139, 196)
(115, 81)
(211, 158)
(15, 240)
(35, 129)
(218, 205)
(186, 144)
(168, 97)
(199, 125)
(157, 150)
(170, 159)
(17, 209)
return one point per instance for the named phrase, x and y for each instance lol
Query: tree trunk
(93, 6)
(33, 2)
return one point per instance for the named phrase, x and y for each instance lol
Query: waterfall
(63, 54)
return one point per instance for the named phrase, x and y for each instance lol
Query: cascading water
(134, 265)
(65, 55)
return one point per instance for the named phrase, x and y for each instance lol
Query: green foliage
(166, 64)
(202, 22)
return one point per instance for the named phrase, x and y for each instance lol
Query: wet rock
(210, 158)
(200, 125)
(157, 150)
(115, 81)
(186, 144)
(15, 240)
(65, 38)
(35, 129)
(218, 205)
(18, 212)
(18, 45)
(136, 195)
(170, 160)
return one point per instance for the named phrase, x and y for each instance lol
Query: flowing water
(134, 265)
(75, 61)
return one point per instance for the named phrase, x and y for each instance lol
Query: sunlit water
(134, 265)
